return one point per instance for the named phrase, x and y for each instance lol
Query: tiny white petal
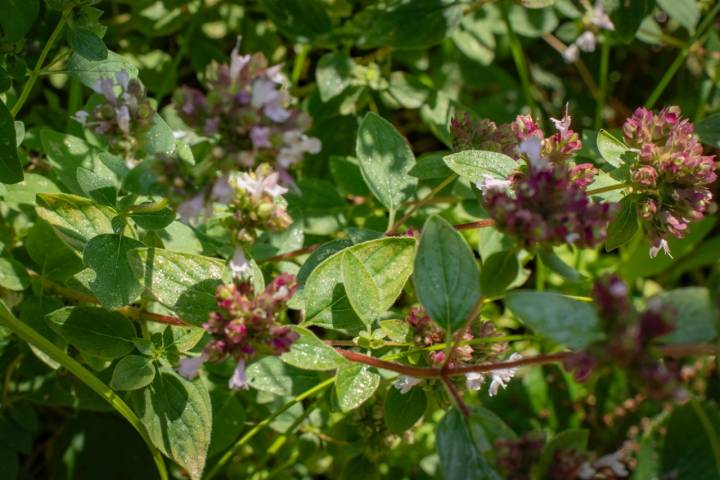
(489, 182)
(474, 380)
(571, 53)
(239, 265)
(404, 384)
(238, 381)
(664, 246)
(190, 366)
(532, 148)
(587, 41)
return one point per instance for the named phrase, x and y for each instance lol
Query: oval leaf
(310, 353)
(354, 385)
(446, 276)
(476, 165)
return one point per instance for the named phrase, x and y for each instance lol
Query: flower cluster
(427, 333)
(516, 457)
(630, 339)
(671, 176)
(546, 202)
(124, 111)
(246, 325)
(248, 112)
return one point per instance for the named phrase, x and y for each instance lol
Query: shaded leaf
(115, 283)
(475, 165)
(310, 353)
(402, 410)
(132, 372)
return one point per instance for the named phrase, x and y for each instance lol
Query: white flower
(190, 366)
(532, 147)
(570, 54)
(239, 265)
(489, 182)
(238, 381)
(122, 115)
(587, 41)
(255, 186)
(237, 63)
(81, 117)
(263, 92)
(663, 245)
(405, 384)
(600, 18)
(572, 237)
(500, 378)
(123, 79)
(563, 125)
(474, 380)
(260, 136)
(275, 74)
(104, 86)
(611, 461)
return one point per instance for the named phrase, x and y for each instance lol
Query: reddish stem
(478, 224)
(459, 402)
(293, 254)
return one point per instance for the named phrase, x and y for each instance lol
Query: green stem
(609, 188)
(32, 337)
(708, 97)
(254, 431)
(602, 94)
(299, 63)
(438, 188)
(681, 56)
(710, 431)
(38, 66)
(520, 64)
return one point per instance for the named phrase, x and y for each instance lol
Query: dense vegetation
(460, 239)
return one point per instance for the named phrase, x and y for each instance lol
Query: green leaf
(404, 25)
(403, 410)
(430, 166)
(628, 16)
(183, 282)
(385, 160)
(475, 165)
(310, 353)
(709, 130)
(13, 275)
(301, 20)
(115, 284)
(567, 321)
(532, 22)
(54, 258)
(447, 280)
(154, 220)
(386, 261)
(346, 174)
(611, 149)
(158, 139)
(24, 192)
(16, 19)
(624, 225)
(325, 251)
(574, 439)
(132, 372)
(270, 374)
(102, 190)
(90, 71)
(11, 170)
(685, 12)
(67, 153)
(87, 44)
(333, 74)
(362, 292)
(228, 419)
(75, 219)
(354, 385)
(459, 444)
(93, 330)
(556, 264)
(396, 330)
(691, 448)
(696, 315)
(178, 417)
(498, 272)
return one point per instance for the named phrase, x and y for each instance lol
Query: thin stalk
(438, 188)
(254, 431)
(520, 64)
(681, 56)
(32, 337)
(609, 188)
(299, 63)
(604, 67)
(38, 66)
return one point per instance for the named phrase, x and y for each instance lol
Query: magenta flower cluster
(247, 110)
(544, 203)
(246, 326)
(630, 340)
(672, 174)
(123, 113)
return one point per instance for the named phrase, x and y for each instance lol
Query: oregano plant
(455, 239)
